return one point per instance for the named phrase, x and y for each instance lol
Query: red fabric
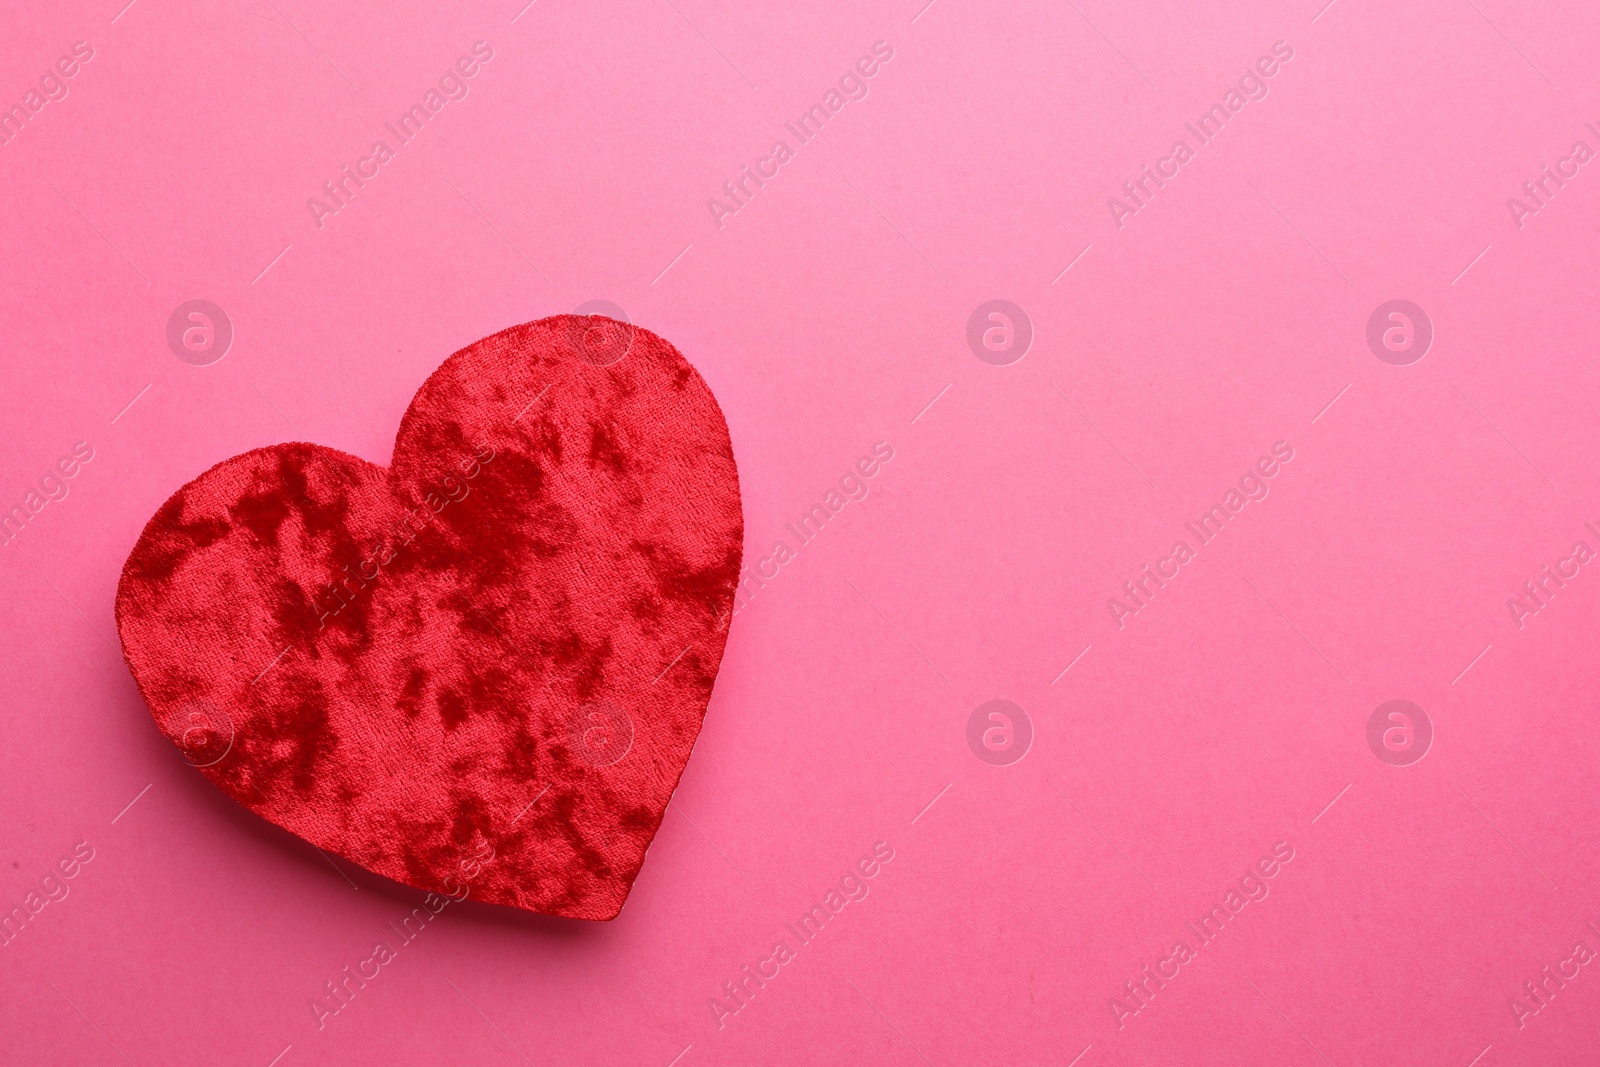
(395, 663)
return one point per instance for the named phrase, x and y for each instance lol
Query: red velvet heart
(484, 667)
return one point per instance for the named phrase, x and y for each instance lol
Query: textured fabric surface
(484, 666)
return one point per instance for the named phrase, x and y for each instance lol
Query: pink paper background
(826, 315)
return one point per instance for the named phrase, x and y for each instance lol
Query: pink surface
(1178, 336)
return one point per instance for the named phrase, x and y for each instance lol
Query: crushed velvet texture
(501, 645)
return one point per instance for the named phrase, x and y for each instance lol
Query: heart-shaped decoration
(480, 669)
